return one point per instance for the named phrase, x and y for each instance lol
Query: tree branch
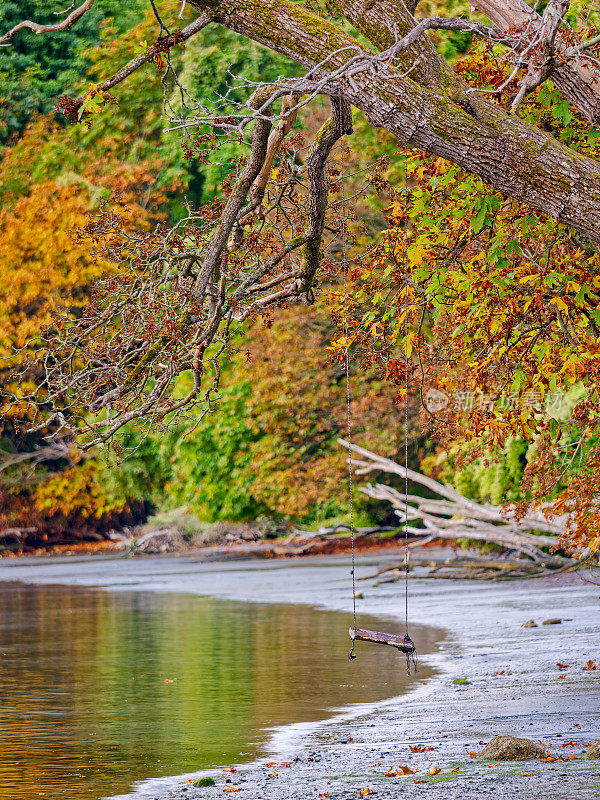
(60, 26)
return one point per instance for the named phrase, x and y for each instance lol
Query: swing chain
(410, 656)
(351, 655)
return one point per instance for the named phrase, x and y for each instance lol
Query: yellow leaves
(77, 490)
(93, 102)
(228, 789)
(364, 792)
(410, 341)
(340, 344)
(559, 303)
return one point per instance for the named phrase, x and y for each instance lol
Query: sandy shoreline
(514, 685)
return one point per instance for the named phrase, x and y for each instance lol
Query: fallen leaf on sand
(501, 673)
(434, 771)
(576, 725)
(472, 753)
(528, 774)
(408, 771)
(326, 794)
(563, 666)
(455, 769)
(229, 789)
(590, 665)
(270, 764)
(561, 677)
(364, 792)
(415, 781)
(391, 774)
(418, 749)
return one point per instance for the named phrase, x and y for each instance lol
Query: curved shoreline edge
(513, 681)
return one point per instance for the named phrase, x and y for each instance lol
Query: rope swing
(402, 643)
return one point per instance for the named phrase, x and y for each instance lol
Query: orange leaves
(589, 666)
(419, 749)
(229, 789)
(472, 753)
(434, 771)
(364, 792)
(407, 770)
(563, 666)
(455, 769)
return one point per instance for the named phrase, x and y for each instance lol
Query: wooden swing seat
(402, 643)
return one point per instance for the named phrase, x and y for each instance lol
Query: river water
(101, 689)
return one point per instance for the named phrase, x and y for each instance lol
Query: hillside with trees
(183, 187)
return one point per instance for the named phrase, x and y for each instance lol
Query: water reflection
(98, 690)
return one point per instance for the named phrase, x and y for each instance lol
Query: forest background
(269, 451)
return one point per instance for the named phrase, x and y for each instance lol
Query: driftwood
(324, 533)
(452, 516)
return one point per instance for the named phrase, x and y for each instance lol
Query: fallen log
(452, 516)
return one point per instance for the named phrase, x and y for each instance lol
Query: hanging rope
(351, 655)
(406, 309)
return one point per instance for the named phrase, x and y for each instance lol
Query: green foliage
(211, 467)
(34, 70)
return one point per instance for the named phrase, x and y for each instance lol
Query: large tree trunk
(431, 108)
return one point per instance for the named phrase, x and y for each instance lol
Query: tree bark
(431, 108)
(579, 80)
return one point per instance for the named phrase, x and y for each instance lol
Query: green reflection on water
(98, 690)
